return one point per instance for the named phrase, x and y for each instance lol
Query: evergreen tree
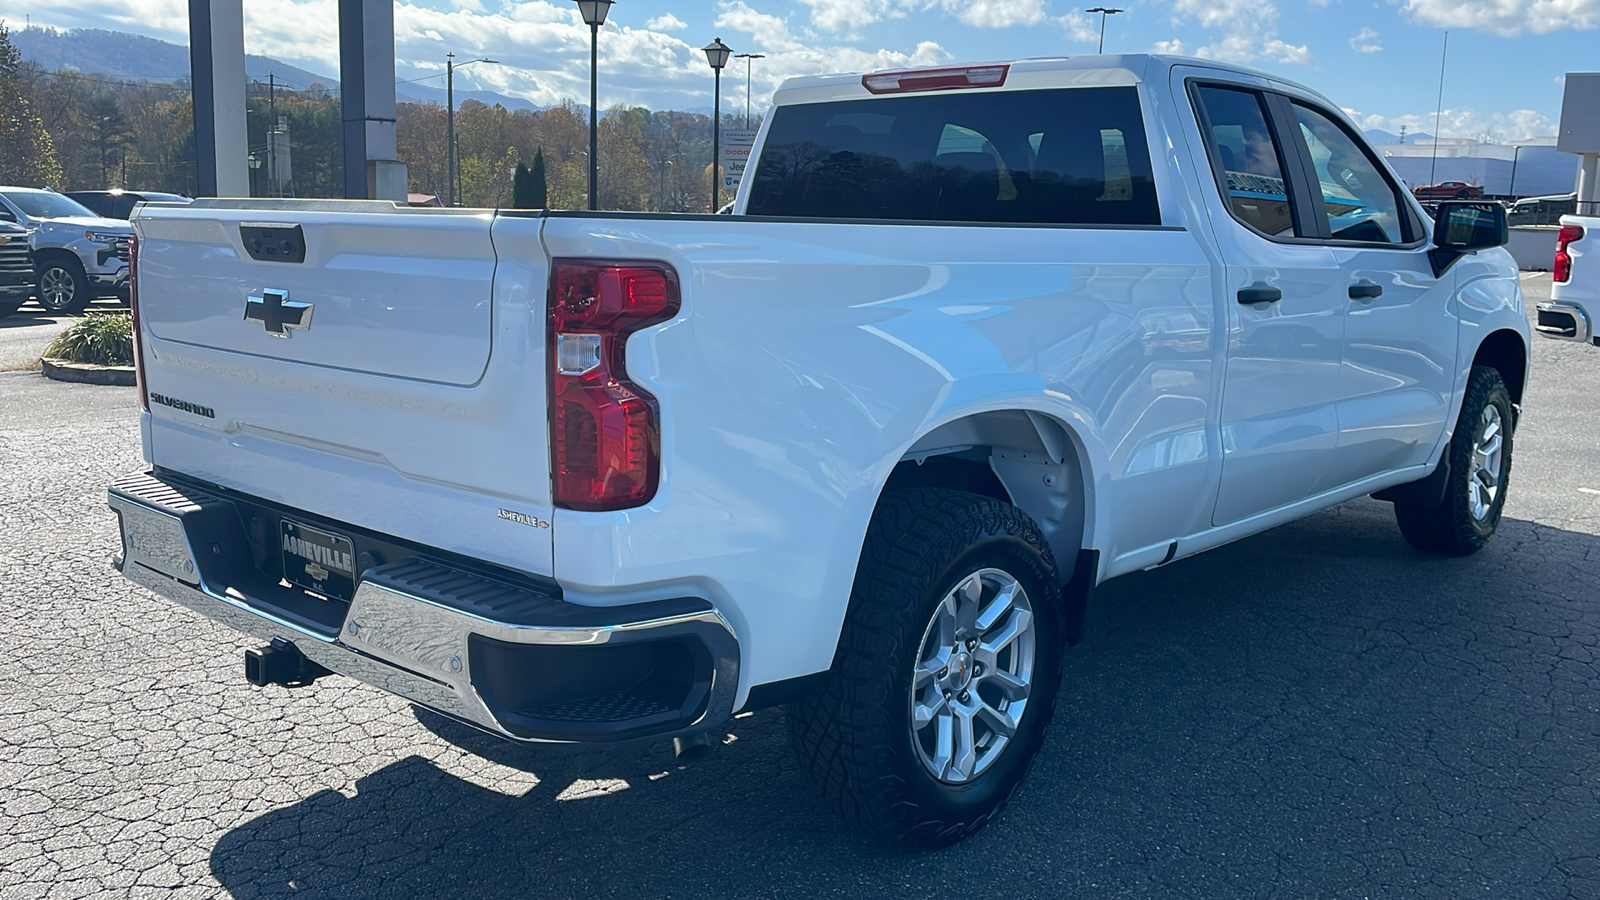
(540, 193)
(522, 188)
(27, 156)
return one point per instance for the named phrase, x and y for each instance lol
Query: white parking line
(1588, 491)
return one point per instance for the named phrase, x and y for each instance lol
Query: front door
(1398, 367)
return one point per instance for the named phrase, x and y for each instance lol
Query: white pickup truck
(975, 340)
(1574, 301)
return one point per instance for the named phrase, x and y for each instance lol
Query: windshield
(47, 205)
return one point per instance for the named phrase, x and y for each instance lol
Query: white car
(975, 340)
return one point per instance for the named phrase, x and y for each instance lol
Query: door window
(1358, 199)
(1248, 159)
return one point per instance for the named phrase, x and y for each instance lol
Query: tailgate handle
(273, 242)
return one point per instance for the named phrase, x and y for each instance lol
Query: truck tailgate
(406, 391)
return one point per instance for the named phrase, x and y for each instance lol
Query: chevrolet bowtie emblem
(274, 310)
(5, 238)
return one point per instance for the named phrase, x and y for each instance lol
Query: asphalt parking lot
(1318, 711)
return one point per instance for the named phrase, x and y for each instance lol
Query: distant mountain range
(119, 56)
(1379, 136)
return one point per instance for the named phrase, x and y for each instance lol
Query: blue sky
(1379, 60)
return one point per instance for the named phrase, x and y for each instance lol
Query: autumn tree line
(71, 131)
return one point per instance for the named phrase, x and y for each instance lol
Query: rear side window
(1248, 159)
(1073, 156)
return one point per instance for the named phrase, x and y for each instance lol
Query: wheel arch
(1505, 351)
(53, 254)
(1027, 458)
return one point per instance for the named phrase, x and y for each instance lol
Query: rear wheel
(946, 673)
(63, 287)
(1480, 469)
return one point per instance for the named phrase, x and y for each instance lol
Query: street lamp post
(717, 54)
(451, 190)
(594, 15)
(748, 59)
(1104, 11)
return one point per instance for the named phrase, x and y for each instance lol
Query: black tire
(63, 288)
(854, 735)
(1450, 527)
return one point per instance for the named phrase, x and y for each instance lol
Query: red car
(1448, 190)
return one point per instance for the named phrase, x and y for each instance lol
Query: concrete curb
(87, 373)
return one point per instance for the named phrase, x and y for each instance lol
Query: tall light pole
(451, 190)
(717, 54)
(1104, 11)
(594, 15)
(748, 59)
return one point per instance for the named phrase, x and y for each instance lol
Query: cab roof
(1046, 72)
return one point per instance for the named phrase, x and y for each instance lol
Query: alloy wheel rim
(973, 675)
(1488, 463)
(56, 288)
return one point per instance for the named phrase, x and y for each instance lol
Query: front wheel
(947, 669)
(1480, 469)
(63, 287)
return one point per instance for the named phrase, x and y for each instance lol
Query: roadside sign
(736, 144)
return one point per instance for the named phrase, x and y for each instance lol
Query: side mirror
(1462, 227)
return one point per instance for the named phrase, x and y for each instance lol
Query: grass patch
(102, 338)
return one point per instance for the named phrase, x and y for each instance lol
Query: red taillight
(133, 313)
(605, 432)
(1562, 271)
(907, 80)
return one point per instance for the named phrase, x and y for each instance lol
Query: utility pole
(272, 138)
(1438, 111)
(1103, 11)
(450, 129)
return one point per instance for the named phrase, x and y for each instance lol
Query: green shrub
(103, 338)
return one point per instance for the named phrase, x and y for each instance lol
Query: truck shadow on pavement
(1314, 711)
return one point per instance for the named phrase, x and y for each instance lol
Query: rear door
(1285, 307)
(1398, 369)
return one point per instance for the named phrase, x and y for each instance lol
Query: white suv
(79, 255)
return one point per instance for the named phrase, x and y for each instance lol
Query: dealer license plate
(319, 560)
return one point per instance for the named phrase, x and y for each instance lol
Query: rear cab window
(1063, 156)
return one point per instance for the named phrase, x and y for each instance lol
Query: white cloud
(1174, 47)
(995, 13)
(668, 22)
(847, 15)
(1366, 40)
(1080, 27)
(768, 31)
(1249, 31)
(1506, 17)
(1464, 122)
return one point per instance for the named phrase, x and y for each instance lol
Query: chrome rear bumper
(464, 644)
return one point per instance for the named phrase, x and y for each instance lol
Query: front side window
(1073, 156)
(1360, 202)
(1248, 157)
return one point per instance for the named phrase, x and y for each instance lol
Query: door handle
(1365, 290)
(1259, 293)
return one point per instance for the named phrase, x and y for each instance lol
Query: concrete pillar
(1588, 187)
(216, 65)
(366, 86)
